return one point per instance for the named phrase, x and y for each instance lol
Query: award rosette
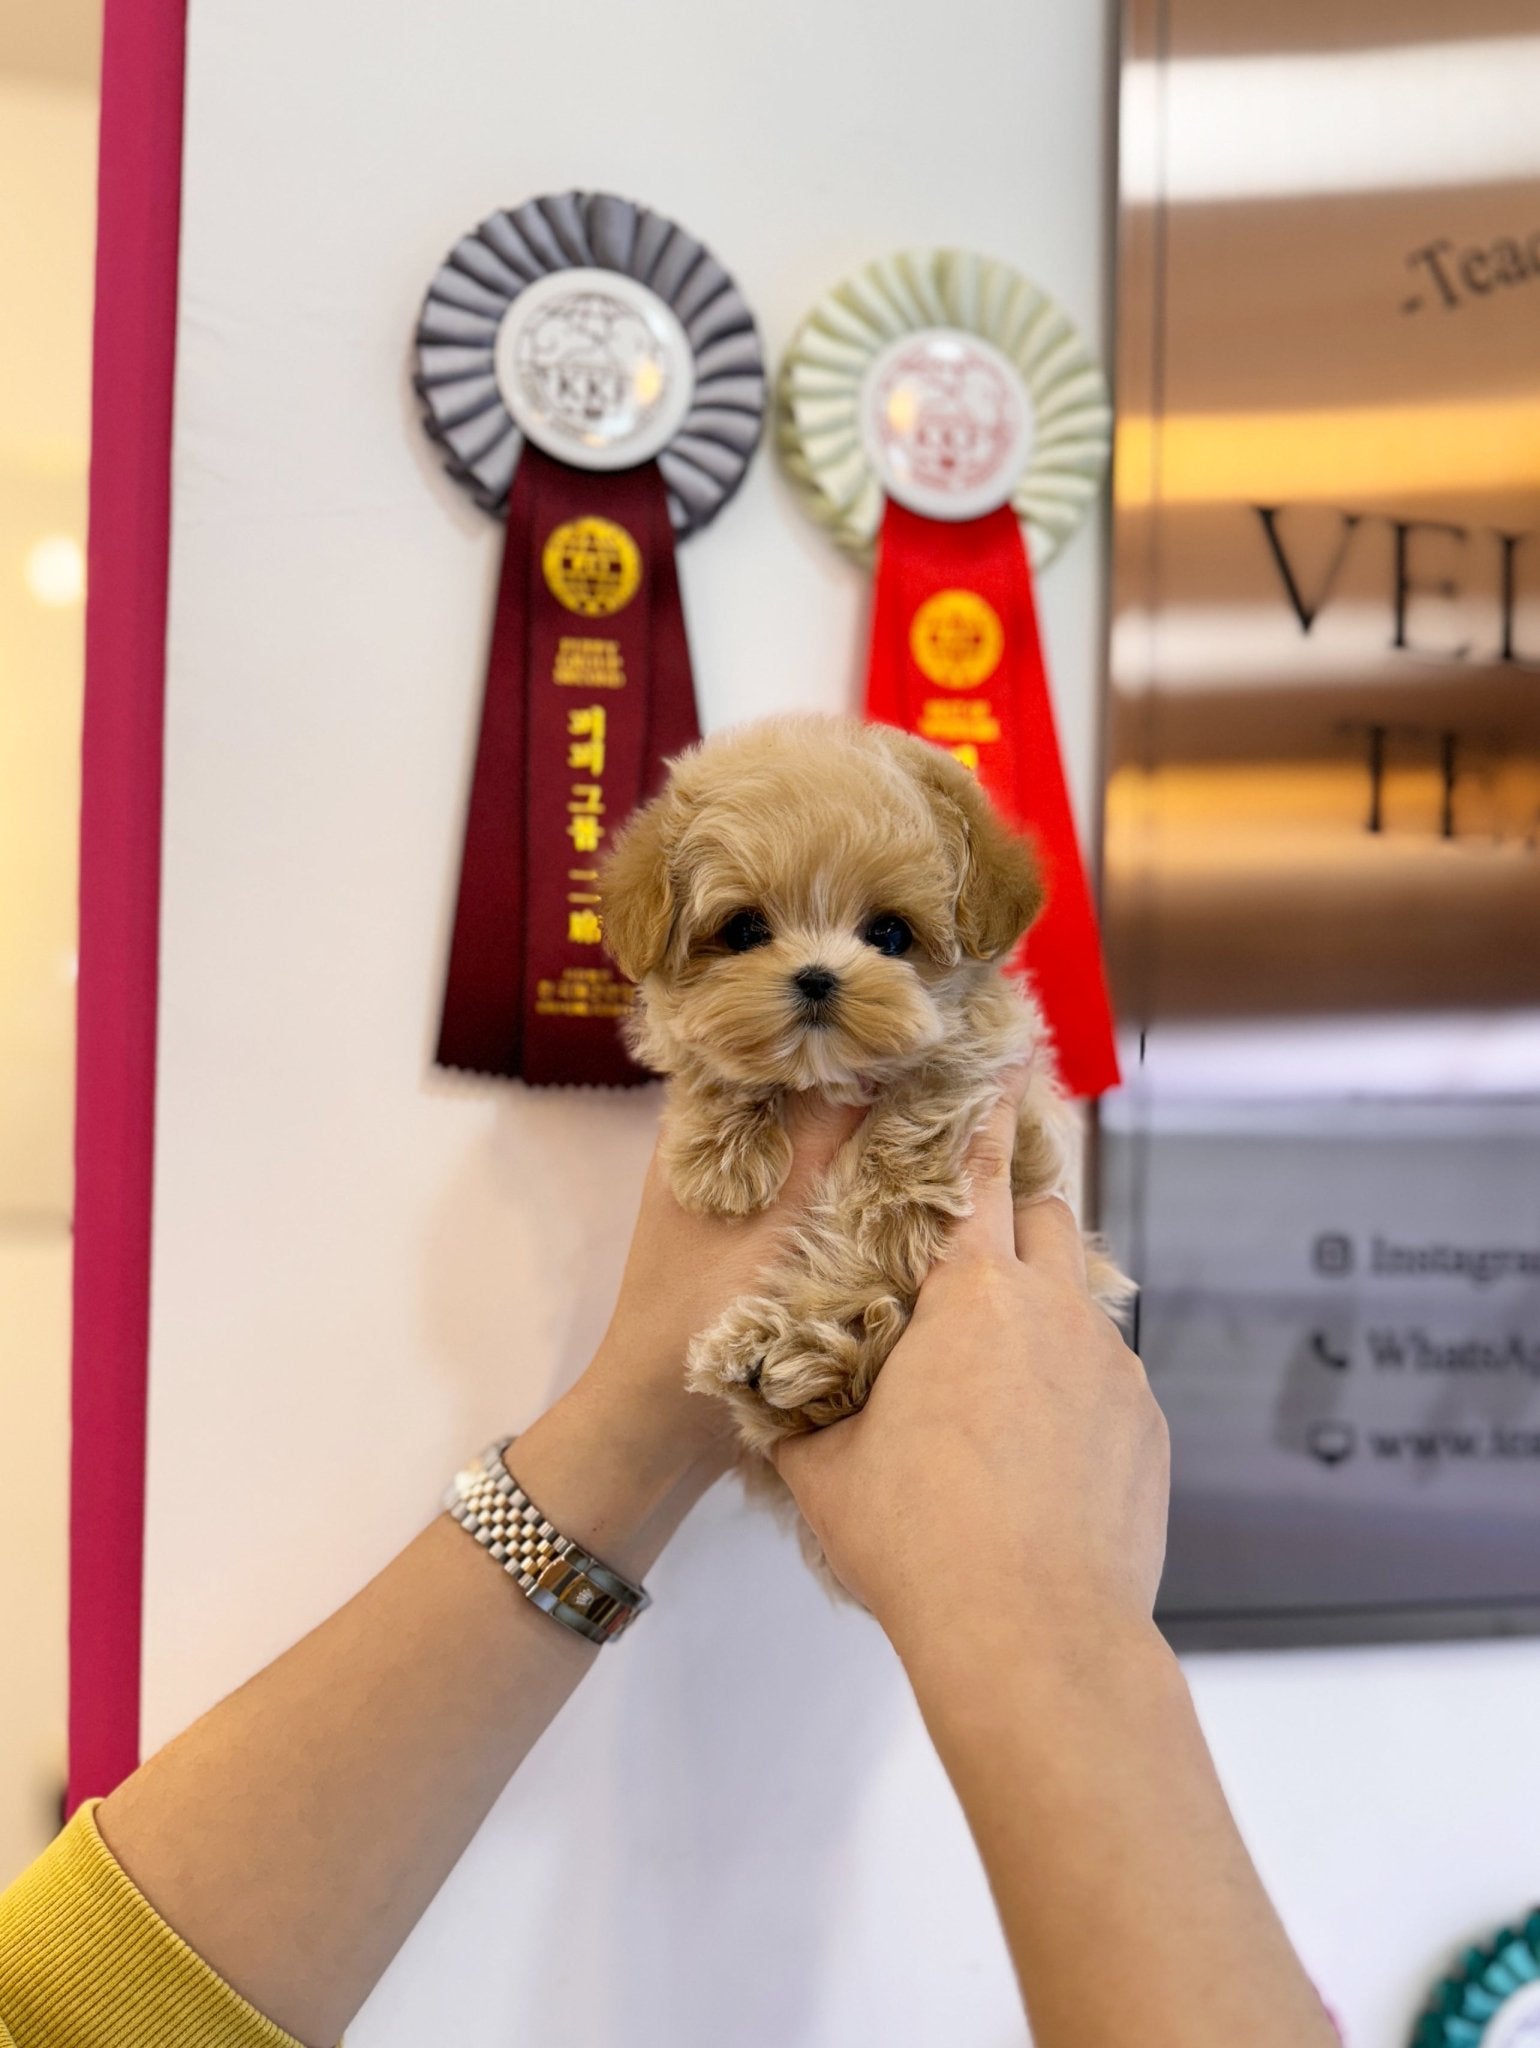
(591, 374)
(1493, 1999)
(939, 408)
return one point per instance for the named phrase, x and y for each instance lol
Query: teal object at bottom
(1467, 2009)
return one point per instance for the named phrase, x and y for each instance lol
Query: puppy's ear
(636, 890)
(1000, 890)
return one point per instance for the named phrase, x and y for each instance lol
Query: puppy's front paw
(783, 1369)
(765, 1369)
(735, 1167)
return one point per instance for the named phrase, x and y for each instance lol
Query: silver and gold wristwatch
(549, 1569)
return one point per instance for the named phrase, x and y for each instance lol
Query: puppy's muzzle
(816, 991)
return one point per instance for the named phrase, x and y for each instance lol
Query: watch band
(559, 1576)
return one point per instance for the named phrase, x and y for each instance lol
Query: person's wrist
(955, 1653)
(616, 1464)
(671, 1427)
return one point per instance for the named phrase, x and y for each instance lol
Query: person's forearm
(1129, 1903)
(295, 1834)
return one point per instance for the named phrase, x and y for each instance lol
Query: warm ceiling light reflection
(1281, 817)
(903, 410)
(1335, 455)
(56, 570)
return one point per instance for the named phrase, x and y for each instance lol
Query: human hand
(1010, 1468)
(684, 1269)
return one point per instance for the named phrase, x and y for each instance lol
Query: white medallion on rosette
(946, 422)
(595, 368)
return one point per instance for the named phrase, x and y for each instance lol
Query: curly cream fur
(820, 825)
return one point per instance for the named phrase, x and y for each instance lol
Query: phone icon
(1321, 1351)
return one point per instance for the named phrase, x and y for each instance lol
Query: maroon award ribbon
(588, 690)
(589, 365)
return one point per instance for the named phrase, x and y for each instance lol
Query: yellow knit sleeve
(87, 1962)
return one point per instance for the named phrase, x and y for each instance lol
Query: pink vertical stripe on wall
(139, 196)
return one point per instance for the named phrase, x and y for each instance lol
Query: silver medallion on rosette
(603, 332)
(946, 422)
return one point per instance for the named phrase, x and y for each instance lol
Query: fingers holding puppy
(1040, 1231)
(818, 1130)
(1049, 1240)
(988, 1231)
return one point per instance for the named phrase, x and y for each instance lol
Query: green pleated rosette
(1492, 2000)
(823, 374)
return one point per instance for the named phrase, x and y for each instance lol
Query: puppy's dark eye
(745, 930)
(889, 934)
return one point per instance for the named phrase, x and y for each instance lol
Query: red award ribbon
(956, 657)
(588, 689)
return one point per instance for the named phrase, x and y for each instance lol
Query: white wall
(737, 1834)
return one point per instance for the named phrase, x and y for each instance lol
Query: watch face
(595, 368)
(946, 423)
(1516, 2023)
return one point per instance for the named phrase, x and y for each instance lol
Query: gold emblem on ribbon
(592, 566)
(956, 639)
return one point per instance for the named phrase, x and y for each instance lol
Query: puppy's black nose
(817, 984)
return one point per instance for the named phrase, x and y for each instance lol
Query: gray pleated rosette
(464, 408)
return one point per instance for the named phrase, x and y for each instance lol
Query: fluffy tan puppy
(814, 903)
